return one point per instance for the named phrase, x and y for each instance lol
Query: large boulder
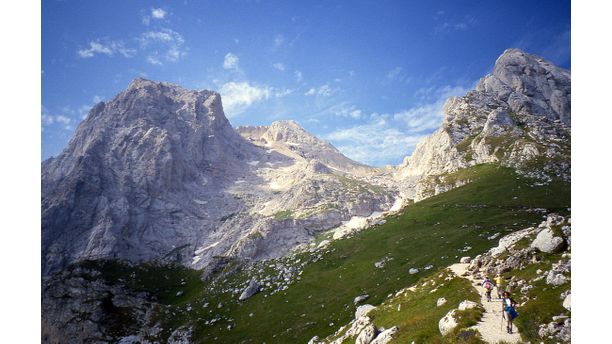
(250, 290)
(465, 260)
(385, 336)
(448, 322)
(546, 241)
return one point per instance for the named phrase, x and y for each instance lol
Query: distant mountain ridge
(159, 173)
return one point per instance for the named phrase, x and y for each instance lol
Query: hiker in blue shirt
(508, 310)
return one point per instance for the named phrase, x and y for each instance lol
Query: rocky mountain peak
(529, 82)
(291, 132)
(520, 112)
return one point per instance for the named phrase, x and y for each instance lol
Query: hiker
(508, 310)
(499, 285)
(488, 285)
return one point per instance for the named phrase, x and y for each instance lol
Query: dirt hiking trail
(490, 326)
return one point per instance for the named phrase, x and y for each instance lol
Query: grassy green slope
(417, 315)
(434, 231)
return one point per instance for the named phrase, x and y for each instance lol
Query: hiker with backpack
(488, 285)
(508, 310)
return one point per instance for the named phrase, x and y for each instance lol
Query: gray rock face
(250, 290)
(80, 307)
(158, 173)
(520, 112)
(526, 81)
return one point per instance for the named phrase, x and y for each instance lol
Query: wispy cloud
(279, 40)
(239, 96)
(162, 45)
(279, 66)
(158, 13)
(388, 146)
(323, 91)
(109, 48)
(386, 138)
(230, 61)
(48, 119)
(298, 75)
(155, 14)
(428, 116)
(397, 74)
(345, 110)
(449, 25)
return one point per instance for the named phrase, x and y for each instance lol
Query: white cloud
(396, 74)
(107, 48)
(388, 138)
(158, 13)
(460, 25)
(279, 66)
(345, 110)
(377, 143)
(162, 45)
(158, 46)
(279, 40)
(64, 121)
(324, 91)
(428, 116)
(239, 96)
(230, 61)
(298, 75)
(154, 60)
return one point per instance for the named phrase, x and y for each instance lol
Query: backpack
(487, 285)
(512, 313)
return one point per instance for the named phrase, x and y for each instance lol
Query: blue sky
(369, 76)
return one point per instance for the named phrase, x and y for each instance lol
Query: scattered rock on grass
(440, 302)
(360, 298)
(448, 322)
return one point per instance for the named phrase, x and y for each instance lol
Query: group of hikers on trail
(508, 304)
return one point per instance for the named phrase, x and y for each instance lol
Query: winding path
(490, 326)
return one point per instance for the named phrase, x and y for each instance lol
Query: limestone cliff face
(158, 173)
(518, 116)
